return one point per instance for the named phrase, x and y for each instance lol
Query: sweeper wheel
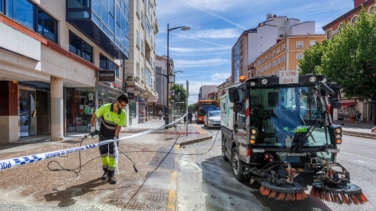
(284, 191)
(348, 193)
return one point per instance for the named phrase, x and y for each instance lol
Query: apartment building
(285, 54)
(161, 81)
(256, 41)
(59, 61)
(332, 28)
(350, 105)
(140, 68)
(208, 92)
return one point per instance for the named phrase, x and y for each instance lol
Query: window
(137, 39)
(78, 46)
(354, 19)
(106, 64)
(46, 25)
(21, 11)
(312, 43)
(2, 5)
(137, 8)
(283, 58)
(31, 16)
(340, 26)
(371, 10)
(299, 44)
(299, 56)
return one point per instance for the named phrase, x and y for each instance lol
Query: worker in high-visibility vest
(113, 118)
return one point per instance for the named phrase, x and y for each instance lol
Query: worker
(113, 118)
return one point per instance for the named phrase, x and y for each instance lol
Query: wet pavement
(72, 181)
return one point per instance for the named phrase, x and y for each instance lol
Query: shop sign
(106, 75)
(152, 99)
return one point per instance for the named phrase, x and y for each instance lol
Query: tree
(312, 59)
(349, 58)
(179, 97)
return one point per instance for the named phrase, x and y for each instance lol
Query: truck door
(241, 131)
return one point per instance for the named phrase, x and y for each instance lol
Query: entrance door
(27, 114)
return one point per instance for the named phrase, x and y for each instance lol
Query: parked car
(212, 119)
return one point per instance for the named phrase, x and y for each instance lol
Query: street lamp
(183, 28)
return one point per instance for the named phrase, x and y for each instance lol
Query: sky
(204, 51)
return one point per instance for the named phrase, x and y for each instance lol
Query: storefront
(81, 103)
(80, 106)
(33, 109)
(347, 110)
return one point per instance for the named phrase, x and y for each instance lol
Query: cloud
(190, 50)
(200, 63)
(216, 33)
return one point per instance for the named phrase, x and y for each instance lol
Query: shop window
(80, 106)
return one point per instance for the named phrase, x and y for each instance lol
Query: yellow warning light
(242, 78)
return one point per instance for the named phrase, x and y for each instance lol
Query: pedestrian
(190, 117)
(113, 118)
(357, 116)
(160, 114)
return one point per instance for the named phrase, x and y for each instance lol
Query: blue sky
(204, 51)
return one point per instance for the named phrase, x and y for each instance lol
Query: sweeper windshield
(289, 117)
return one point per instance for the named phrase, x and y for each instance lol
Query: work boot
(112, 180)
(104, 176)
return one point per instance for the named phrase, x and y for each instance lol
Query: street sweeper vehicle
(278, 132)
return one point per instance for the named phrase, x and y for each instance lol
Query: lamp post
(184, 28)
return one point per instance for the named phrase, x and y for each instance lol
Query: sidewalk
(194, 133)
(361, 129)
(72, 181)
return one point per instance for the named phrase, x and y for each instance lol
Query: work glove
(116, 138)
(93, 132)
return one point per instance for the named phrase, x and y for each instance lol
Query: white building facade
(59, 61)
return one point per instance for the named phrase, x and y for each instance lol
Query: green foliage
(312, 59)
(180, 94)
(349, 58)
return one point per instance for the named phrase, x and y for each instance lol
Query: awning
(347, 104)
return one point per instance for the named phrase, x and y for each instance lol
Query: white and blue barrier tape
(19, 161)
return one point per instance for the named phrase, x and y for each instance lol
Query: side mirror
(233, 94)
(334, 102)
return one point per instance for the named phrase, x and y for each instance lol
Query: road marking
(200, 130)
(171, 200)
(357, 156)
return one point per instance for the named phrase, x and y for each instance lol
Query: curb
(359, 134)
(199, 138)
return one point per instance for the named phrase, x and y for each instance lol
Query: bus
(202, 108)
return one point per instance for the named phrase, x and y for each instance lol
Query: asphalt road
(205, 180)
(169, 177)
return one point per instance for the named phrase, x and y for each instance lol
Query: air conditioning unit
(130, 75)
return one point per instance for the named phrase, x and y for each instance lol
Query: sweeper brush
(333, 184)
(347, 194)
(284, 191)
